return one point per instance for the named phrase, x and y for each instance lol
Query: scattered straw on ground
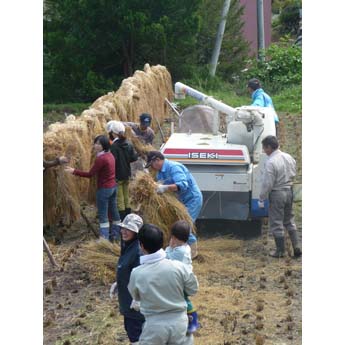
(99, 258)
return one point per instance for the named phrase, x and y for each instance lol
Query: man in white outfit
(159, 285)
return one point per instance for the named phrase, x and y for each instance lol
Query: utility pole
(261, 30)
(219, 38)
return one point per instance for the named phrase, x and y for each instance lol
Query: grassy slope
(288, 100)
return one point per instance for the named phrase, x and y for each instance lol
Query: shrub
(283, 67)
(289, 17)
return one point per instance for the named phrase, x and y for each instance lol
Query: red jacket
(104, 168)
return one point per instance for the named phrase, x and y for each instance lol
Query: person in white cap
(124, 155)
(129, 258)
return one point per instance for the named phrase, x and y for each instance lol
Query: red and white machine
(226, 166)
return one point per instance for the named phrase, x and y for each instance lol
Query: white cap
(132, 222)
(116, 127)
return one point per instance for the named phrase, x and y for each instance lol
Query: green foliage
(289, 17)
(91, 45)
(283, 67)
(234, 47)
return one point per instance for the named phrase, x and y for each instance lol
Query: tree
(90, 45)
(234, 49)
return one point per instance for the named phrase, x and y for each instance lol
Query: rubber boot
(280, 248)
(115, 231)
(104, 233)
(128, 211)
(193, 323)
(123, 214)
(294, 240)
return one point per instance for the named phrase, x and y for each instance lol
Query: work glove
(135, 305)
(261, 204)
(113, 290)
(162, 188)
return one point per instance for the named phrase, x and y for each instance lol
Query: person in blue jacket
(175, 177)
(129, 259)
(259, 97)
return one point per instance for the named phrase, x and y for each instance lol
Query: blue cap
(145, 118)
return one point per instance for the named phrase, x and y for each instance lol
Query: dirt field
(245, 296)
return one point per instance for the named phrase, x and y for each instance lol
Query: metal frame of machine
(226, 166)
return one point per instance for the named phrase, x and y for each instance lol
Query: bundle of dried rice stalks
(160, 209)
(99, 258)
(141, 148)
(144, 92)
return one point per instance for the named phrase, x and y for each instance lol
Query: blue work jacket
(261, 99)
(188, 191)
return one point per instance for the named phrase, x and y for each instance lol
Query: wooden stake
(90, 226)
(49, 253)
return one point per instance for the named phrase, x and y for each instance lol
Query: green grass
(56, 112)
(287, 100)
(70, 108)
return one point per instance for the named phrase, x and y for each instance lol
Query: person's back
(279, 172)
(284, 168)
(160, 286)
(261, 99)
(125, 154)
(180, 253)
(175, 172)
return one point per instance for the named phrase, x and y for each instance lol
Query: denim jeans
(106, 200)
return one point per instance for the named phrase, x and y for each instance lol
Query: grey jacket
(160, 286)
(279, 172)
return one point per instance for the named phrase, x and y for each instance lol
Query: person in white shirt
(159, 285)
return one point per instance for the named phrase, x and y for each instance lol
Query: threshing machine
(227, 166)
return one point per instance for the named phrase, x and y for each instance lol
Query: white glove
(162, 188)
(261, 204)
(113, 290)
(135, 305)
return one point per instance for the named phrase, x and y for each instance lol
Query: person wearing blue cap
(143, 130)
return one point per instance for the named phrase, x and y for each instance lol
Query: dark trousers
(133, 328)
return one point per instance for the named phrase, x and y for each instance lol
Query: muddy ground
(245, 296)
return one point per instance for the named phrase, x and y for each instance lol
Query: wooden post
(90, 226)
(49, 253)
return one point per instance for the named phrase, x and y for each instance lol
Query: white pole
(219, 38)
(261, 30)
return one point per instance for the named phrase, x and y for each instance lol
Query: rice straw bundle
(144, 92)
(99, 258)
(141, 148)
(159, 209)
